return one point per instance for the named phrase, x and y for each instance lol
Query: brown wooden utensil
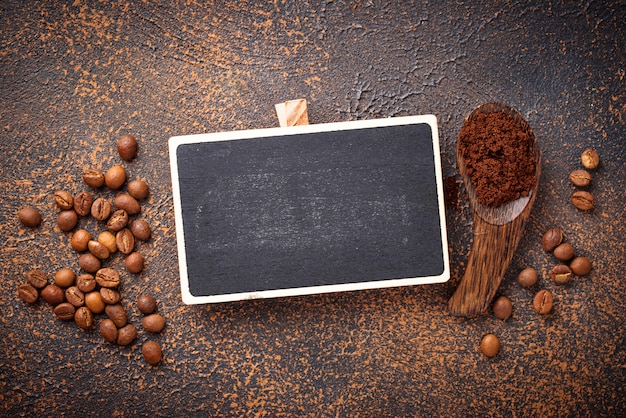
(497, 232)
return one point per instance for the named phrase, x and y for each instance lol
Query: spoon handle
(492, 251)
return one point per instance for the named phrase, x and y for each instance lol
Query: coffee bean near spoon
(590, 159)
(580, 266)
(583, 200)
(543, 302)
(580, 178)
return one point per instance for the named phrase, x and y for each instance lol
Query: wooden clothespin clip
(292, 113)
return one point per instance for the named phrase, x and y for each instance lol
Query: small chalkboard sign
(309, 209)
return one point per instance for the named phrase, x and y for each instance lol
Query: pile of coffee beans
(583, 199)
(569, 264)
(116, 216)
(96, 288)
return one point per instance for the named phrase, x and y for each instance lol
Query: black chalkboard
(309, 209)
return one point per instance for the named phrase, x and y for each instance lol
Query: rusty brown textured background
(76, 75)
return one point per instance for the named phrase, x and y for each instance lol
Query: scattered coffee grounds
(499, 158)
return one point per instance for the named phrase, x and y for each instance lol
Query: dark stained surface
(75, 76)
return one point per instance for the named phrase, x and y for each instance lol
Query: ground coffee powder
(499, 158)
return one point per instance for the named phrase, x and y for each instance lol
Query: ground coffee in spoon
(499, 158)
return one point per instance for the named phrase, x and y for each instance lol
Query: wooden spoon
(497, 232)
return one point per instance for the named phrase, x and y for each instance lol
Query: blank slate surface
(309, 209)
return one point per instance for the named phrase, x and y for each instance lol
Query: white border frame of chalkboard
(175, 141)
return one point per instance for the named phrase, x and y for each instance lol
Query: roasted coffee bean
(82, 203)
(127, 147)
(52, 294)
(590, 159)
(67, 220)
(98, 249)
(117, 314)
(561, 274)
(108, 330)
(580, 178)
(28, 293)
(580, 266)
(93, 177)
(93, 300)
(64, 311)
(564, 251)
(134, 262)
(107, 239)
(89, 262)
(583, 200)
(551, 239)
(64, 278)
(83, 317)
(110, 296)
(146, 304)
(107, 277)
(29, 216)
(63, 200)
(86, 283)
(502, 308)
(74, 296)
(125, 241)
(118, 220)
(490, 345)
(138, 189)
(101, 209)
(140, 229)
(128, 203)
(115, 177)
(527, 277)
(37, 278)
(543, 302)
(153, 322)
(80, 240)
(152, 353)
(126, 334)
